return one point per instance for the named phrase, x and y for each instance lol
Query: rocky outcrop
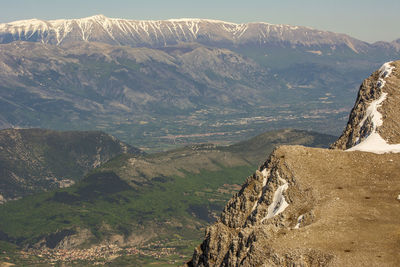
(316, 207)
(375, 113)
(64, 239)
(310, 207)
(254, 214)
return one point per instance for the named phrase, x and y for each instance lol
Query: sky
(367, 20)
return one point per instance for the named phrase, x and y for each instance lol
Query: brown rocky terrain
(371, 89)
(342, 211)
(318, 207)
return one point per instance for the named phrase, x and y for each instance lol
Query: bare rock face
(376, 110)
(310, 207)
(256, 214)
(318, 207)
(64, 239)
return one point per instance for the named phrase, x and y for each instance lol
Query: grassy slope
(93, 202)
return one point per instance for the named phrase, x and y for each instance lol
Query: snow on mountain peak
(373, 124)
(99, 16)
(158, 33)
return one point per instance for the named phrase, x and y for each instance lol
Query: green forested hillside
(135, 200)
(34, 160)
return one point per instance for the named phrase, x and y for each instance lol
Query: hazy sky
(368, 20)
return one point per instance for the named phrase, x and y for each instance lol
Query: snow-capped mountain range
(159, 33)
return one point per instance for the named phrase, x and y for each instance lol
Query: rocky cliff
(373, 123)
(317, 207)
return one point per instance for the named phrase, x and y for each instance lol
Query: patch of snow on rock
(386, 69)
(374, 142)
(299, 220)
(279, 203)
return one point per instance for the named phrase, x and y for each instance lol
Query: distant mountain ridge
(160, 33)
(218, 80)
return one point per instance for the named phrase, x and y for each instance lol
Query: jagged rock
(318, 207)
(382, 86)
(340, 211)
(79, 237)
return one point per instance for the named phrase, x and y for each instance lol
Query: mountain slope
(134, 201)
(171, 32)
(317, 207)
(143, 96)
(376, 106)
(133, 79)
(313, 207)
(35, 160)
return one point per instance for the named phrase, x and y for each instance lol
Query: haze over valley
(128, 142)
(156, 84)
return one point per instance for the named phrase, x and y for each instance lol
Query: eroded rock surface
(338, 208)
(319, 207)
(379, 95)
